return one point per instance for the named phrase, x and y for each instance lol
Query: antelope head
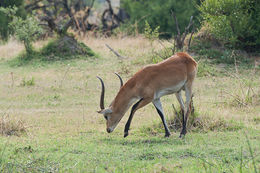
(109, 114)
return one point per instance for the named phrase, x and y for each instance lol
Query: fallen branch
(117, 54)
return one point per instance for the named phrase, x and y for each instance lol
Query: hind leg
(188, 94)
(180, 100)
(158, 106)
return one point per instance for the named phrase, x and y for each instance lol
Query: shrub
(10, 126)
(62, 48)
(158, 13)
(235, 23)
(4, 20)
(65, 47)
(150, 33)
(25, 30)
(30, 82)
(207, 49)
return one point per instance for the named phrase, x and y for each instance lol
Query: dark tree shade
(4, 31)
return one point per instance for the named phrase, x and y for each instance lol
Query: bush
(4, 20)
(25, 30)
(235, 23)
(65, 47)
(30, 82)
(9, 127)
(149, 33)
(158, 13)
(207, 49)
(59, 49)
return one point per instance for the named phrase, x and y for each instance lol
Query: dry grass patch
(10, 127)
(202, 124)
(10, 49)
(198, 122)
(13, 48)
(131, 47)
(245, 92)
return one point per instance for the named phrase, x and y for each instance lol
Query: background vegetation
(158, 13)
(235, 24)
(4, 20)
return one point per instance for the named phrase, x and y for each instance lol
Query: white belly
(170, 90)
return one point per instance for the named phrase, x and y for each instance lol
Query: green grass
(98, 152)
(63, 132)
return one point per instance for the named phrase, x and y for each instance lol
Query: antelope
(148, 85)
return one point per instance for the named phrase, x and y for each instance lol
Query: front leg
(127, 126)
(141, 103)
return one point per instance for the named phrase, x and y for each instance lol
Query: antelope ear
(105, 111)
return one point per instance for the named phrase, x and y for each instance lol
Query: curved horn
(102, 94)
(121, 81)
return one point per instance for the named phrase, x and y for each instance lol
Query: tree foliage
(76, 14)
(4, 20)
(59, 15)
(235, 23)
(158, 13)
(25, 30)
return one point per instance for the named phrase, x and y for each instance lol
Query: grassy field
(56, 103)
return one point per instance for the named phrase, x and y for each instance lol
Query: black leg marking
(127, 126)
(183, 132)
(184, 124)
(167, 132)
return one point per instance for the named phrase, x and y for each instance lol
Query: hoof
(183, 133)
(167, 135)
(182, 136)
(125, 134)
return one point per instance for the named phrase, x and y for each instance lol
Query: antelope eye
(105, 117)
